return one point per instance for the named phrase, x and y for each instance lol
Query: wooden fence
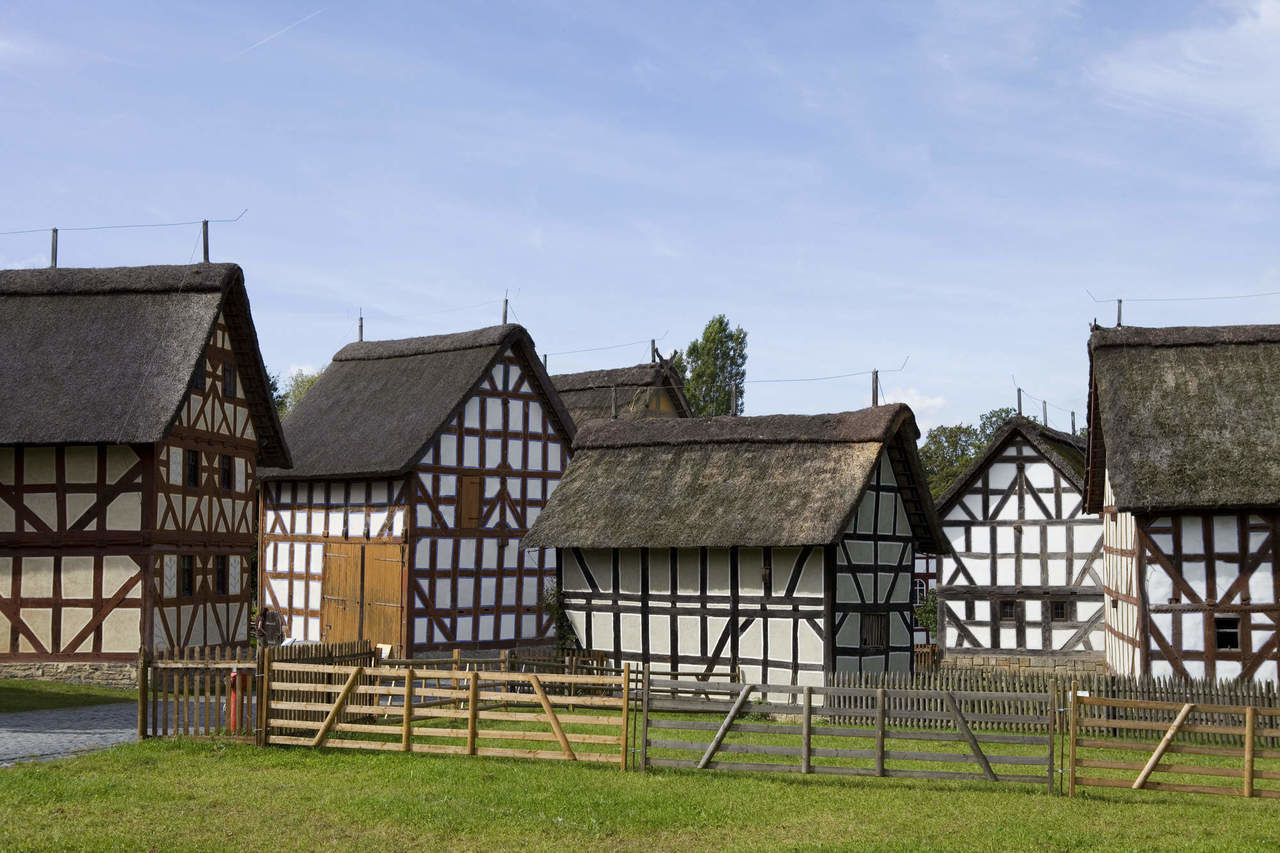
(897, 715)
(208, 691)
(423, 709)
(1108, 726)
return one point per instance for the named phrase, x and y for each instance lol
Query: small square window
(192, 458)
(1226, 632)
(188, 576)
(225, 472)
(228, 382)
(220, 573)
(1058, 611)
(1008, 610)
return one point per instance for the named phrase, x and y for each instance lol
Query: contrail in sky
(277, 34)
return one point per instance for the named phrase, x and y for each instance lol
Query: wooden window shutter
(469, 502)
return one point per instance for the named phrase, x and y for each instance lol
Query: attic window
(228, 381)
(224, 472)
(192, 459)
(1226, 632)
(197, 379)
(469, 503)
(188, 575)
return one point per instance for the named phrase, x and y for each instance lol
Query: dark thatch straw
(1185, 417)
(591, 394)
(107, 355)
(378, 406)
(776, 480)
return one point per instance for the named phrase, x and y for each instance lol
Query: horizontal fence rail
(1104, 741)
(425, 709)
(905, 738)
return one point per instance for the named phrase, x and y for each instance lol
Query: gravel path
(42, 735)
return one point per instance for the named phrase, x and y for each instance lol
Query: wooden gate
(952, 716)
(360, 593)
(1107, 728)
(448, 711)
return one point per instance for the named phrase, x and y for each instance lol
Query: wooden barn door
(340, 594)
(383, 576)
(360, 593)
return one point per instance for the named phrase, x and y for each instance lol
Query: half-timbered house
(1184, 466)
(418, 465)
(1022, 587)
(779, 545)
(134, 410)
(653, 390)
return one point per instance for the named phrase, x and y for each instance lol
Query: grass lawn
(189, 794)
(22, 694)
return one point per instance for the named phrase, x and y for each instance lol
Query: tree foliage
(296, 386)
(948, 450)
(927, 612)
(714, 368)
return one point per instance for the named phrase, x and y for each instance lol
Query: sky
(856, 184)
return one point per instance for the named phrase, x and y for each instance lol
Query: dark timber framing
(1024, 576)
(788, 612)
(502, 441)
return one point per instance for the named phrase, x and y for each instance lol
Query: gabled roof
(107, 355)
(1184, 417)
(724, 481)
(379, 404)
(592, 393)
(1064, 451)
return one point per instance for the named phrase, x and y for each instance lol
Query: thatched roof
(1185, 417)
(379, 404)
(775, 480)
(107, 355)
(1064, 451)
(591, 394)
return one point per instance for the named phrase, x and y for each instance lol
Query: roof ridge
(429, 344)
(105, 281)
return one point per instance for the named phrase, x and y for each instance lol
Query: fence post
(806, 730)
(644, 721)
(142, 692)
(1072, 729)
(880, 697)
(626, 709)
(1250, 714)
(1053, 719)
(264, 695)
(473, 695)
(406, 736)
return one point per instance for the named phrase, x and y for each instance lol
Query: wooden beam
(806, 732)
(626, 707)
(1250, 715)
(551, 717)
(406, 735)
(338, 705)
(473, 691)
(1072, 726)
(965, 732)
(724, 726)
(880, 715)
(1162, 746)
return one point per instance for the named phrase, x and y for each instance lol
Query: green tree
(927, 612)
(297, 386)
(948, 450)
(714, 368)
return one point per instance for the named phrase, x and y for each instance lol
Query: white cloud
(1222, 73)
(926, 407)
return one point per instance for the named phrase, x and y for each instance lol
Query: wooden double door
(361, 593)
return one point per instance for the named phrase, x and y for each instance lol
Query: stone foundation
(101, 673)
(1015, 664)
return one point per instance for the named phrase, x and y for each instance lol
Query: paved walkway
(42, 735)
